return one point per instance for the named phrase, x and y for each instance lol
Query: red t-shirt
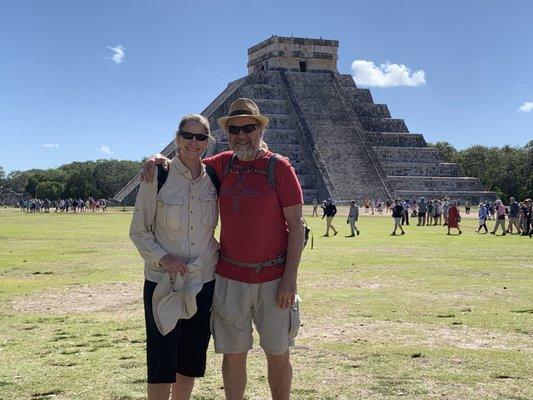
(253, 227)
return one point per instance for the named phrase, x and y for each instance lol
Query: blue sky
(63, 97)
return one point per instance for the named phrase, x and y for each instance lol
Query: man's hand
(286, 291)
(174, 264)
(148, 170)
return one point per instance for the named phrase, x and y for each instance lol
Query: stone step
(475, 196)
(384, 125)
(262, 91)
(273, 106)
(396, 139)
(281, 121)
(281, 136)
(309, 195)
(421, 169)
(292, 151)
(408, 154)
(347, 81)
(359, 95)
(452, 183)
(371, 110)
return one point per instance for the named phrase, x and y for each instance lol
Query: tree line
(100, 179)
(507, 170)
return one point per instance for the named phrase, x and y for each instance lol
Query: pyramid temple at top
(341, 143)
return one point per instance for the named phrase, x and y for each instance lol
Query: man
(353, 216)
(397, 212)
(258, 264)
(406, 207)
(422, 209)
(513, 216)
(329, 212)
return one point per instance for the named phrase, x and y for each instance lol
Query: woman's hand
(174, 264)
(147, 171)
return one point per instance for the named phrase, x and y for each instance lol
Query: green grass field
(420, 316)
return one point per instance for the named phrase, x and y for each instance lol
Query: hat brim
(223, 121)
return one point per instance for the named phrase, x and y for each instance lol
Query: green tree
(449, 153)
(49, 190)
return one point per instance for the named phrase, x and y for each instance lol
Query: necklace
(240, 169)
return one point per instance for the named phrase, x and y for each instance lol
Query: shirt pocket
(209, 209)
(170, 215)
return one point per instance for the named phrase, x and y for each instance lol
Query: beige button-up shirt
(180, 220)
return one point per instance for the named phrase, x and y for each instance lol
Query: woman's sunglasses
(234, 129)
(198, 136)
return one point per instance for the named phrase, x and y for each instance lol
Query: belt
(280, 259)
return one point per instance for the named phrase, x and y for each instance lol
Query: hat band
(240, 112)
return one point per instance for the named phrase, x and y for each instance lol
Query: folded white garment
(174, 297)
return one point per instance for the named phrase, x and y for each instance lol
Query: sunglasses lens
(246, 129)
(234, 129)
(198, 136)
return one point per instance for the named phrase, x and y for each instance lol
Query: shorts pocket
(294, 319)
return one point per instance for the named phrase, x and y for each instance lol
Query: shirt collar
(183, 170)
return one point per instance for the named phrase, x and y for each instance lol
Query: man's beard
(244, 152)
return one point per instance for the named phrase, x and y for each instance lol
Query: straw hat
(243, 108)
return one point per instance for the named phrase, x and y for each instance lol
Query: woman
(453, 217)
(173, 226)
(482, 215)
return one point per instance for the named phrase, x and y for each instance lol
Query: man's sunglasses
(234, 129)
(198, 136)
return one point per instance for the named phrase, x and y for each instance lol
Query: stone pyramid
(341, 143)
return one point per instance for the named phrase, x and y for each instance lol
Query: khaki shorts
(236, 304)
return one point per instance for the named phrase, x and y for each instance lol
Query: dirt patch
(372, 285)
(410, 334)
(81, 299)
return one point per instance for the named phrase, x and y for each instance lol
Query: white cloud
(200, 71)
(119, 51)
(51, 146)
(366, 73)
(104, 149)
(526, 107)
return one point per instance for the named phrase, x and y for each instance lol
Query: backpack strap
(162, 176)
(214, 177)
(269, 172)
(229, 165)
(271, 169)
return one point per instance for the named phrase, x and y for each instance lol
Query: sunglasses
(247, 129)
(198, 136)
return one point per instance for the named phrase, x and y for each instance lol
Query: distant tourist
(353, 216)
(397, 212)
(453, 218)
(467, 207)
(315, 208)
(422, 209)
(499, 210)
(329, 212)
(482, 215)
(513, 216)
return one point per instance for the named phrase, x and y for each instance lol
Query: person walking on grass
(453, 217)
(482, 215)
(353, 216)
(397, 212)
(329, 212)
(315, 208)
(514, 209)
(499, 211)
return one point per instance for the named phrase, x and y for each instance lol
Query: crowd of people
(514, 218)
(63, 205)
